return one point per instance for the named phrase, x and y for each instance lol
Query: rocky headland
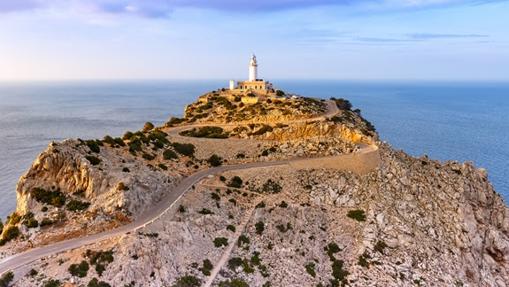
(290, 191)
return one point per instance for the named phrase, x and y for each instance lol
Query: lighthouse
(253, 69)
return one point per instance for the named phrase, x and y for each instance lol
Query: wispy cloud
(163, 8)
(431, 36)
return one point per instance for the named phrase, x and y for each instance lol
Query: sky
(449, 40)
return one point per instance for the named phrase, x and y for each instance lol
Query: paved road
(21, 259)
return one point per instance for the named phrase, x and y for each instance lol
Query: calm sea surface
(457, 121)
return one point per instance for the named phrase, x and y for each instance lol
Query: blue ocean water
(456, 121)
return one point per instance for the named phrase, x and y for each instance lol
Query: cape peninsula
(253, 187)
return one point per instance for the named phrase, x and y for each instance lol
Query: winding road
(16, 261)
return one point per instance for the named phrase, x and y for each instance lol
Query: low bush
(96, 283)
(148, 126)
(283, 204)
(93, 159)
(162, 166)
(29, 220)
(357, 214)
(233, 283)
(235, 182)
(260, 227)
(55, 198)
(187, 281)
(184, 149)
(207, 267)
(338, 272)
(310, 269)
(13, 219)
(380, 246)
(243, 240)
(234, 263)
(270, 186)
(174, 121)
(220, 241)
(10, 233)
(46, 221)
(6, 279)
(79, 270)
(215, 160)
(93, 145)
(77, 205)
(52, 283)
(169, 154)
(206, 132)
(284, 228)
(231, 228)
(205, 211)
(342, 104)
(148, 156)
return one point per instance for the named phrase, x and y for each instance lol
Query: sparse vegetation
(220, 242)
(93, 159)
(205, 211)
(235, 182)
(260, 227)
(77, 205)
(207, 267)
(215, 160)
(96, 283)
(187, 281)
(270, 186)
(6, 279)
(184, 149)
(310, 269)
(79, 270)
(357, 214)
(169, 155)
(206, 132)
(55, 198)
(93, 145)
(243, 240)
(148, 126)
(231, 228)
(233, 283)
(52, 283)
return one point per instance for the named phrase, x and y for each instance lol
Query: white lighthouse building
(253, 84)
(253, 69)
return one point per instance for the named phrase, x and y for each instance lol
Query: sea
(462, 121)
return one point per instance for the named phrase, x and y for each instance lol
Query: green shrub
(235, 182)
(220, 241)
(282, 228)
(207, 267)
(119, 141)
(127, 136)
(77, 205)
(260, 227)
(148, 126)
(310, 269)
(233, 283)
(338, 272)
(135, 146)
(283, 204)
(342, 104)
(357, 214)
(109, 140)
(31, 222)
(234, 263)
(181, 209)
(147, 156)
(231, 228)
(215, 160)
(93, 159)
(205, 211)
(184, 149)
(162, 166)
(332, 248)
(206, 132)
(46, 221)
(187, 281)
(363, 260)
(260, 205)
(215, 196)
(174, 121)
(169, 154)
(55, 198)
(222, 178)
(93, 145)
(125, 169)
(243, 239)
(14, 218)
(270, 186)
(79, 270)
(6, 279)
(380, 246)
(96, 283)
(52, 283)
(10, 233)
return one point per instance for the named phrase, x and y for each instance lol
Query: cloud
(163, 8)
(431, 36)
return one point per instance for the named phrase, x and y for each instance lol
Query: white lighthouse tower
(253, 69)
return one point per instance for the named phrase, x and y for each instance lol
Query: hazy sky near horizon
(213, 39)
